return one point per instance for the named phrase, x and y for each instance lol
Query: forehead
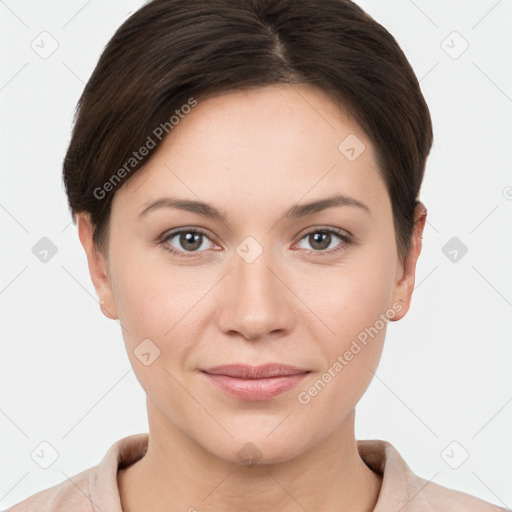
(278, 141)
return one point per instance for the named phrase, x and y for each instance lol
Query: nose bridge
(257, 302)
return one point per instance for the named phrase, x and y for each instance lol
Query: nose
(256, 301)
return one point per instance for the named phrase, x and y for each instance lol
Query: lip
(255, 382)
(244, 371)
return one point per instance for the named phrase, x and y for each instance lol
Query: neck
(177, 472)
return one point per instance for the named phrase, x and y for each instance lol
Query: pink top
(95, 489)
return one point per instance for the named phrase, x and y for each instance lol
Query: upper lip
(243, 371)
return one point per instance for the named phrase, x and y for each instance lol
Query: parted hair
(172, 53)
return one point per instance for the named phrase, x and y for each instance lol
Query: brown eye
(324, 240)
(185, 240)
(320, 240)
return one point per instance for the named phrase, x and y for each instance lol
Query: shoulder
(71, 494)
(403, 490)
(93, 489)
(436, 497)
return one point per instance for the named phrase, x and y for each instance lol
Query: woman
(285, 141)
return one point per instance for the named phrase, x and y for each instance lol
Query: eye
(192, 240)
(322, 239)
(185, 241)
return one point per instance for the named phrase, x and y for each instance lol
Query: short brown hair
(171, 51)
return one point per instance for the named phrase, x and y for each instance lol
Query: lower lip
(256, 389)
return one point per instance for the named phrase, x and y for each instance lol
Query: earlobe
(105, 311)
(97, 266)
(404, 286)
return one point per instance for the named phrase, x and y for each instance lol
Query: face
(263, 281)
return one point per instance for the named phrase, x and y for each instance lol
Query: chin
(255, 447)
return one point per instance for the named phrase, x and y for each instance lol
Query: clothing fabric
(96, 490)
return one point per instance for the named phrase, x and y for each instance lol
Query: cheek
(150, 297)
(354, 300)
(160, 304)
(153, 314)
(355, 306)
(356, 313)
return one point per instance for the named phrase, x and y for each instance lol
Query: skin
(254, 155)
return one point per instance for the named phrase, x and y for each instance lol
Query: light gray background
(445, 374)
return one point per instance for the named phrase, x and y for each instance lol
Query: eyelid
(173, 232)
(331, 229)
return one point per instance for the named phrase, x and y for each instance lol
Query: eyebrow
(297, 211)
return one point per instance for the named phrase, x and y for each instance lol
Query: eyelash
(340, 234)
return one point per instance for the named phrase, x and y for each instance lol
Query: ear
(406, 272)
(97, 266)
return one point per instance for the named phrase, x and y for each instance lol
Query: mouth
(255, 382)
